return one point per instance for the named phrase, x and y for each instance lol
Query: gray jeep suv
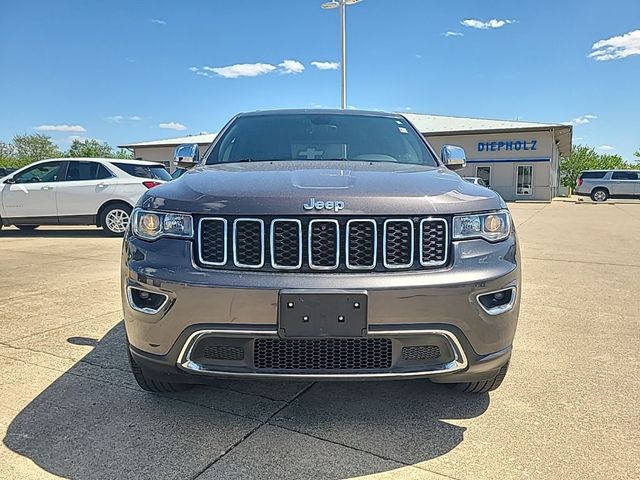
(320, 245)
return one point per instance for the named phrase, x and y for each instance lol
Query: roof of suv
(99, 159)
(320, 111)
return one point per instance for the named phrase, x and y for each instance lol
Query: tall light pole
(342, 5)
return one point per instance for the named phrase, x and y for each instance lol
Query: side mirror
(453, 157)
(187, 155)
(10, 180)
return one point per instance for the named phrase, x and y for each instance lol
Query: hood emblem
(313, 204)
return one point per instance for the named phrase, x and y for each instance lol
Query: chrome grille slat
(306, 244)
(434, 245)
(214, 230)
(398, 243)
(282, 238)
(246, 241)
(357, 249)
(323, 245)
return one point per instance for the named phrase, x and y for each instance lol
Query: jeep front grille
(323, 244)
(322, 354)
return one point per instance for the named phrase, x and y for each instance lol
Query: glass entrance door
(524, 180)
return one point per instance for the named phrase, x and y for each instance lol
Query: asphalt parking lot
(568, 409)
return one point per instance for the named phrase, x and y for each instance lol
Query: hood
(283, 188)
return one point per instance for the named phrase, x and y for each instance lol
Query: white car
(475, 181)
(77, 191)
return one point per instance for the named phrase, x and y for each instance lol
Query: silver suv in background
(603, 184)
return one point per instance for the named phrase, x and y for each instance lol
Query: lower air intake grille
(223, 352)
(421, 352)
(323, 354)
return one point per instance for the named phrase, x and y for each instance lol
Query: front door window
(485, 174)
(524, 184)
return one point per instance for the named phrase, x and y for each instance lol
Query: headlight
(493, 226)
(150, 225)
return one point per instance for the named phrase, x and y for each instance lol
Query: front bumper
(435, 307)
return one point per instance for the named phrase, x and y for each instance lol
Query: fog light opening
(145, 301)
(495, 303)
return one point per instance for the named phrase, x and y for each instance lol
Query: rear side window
(145, 171)
(593, 174)
(86, 171)
(624, 176)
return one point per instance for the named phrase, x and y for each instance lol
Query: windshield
(313, 136)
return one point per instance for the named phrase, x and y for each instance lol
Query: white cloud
(482, 25)
(194, 69)
(291, 66)
(614, 48)
(60, 128)
(119, 118)
(173, 126)
(326, 65)
(418, 55)
(606, 148)
(351, 107)
(452, 34)
(242, 70)
(157, 21)
(582, 119)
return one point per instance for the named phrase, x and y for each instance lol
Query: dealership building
(519, 160)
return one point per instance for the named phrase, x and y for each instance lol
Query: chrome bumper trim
(459, 362)
(147, 311)
(502, 308)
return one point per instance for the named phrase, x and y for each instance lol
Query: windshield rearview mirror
(453, 157)
(187, 155)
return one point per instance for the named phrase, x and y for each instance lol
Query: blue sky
(125, 71)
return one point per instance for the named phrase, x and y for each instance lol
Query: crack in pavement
(361, 450)
(519, 226)
(606, 264)
(245, 437)
(53, 329)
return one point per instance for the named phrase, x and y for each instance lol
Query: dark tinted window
(177, 173)
(80, 170)
(321, 136)
(145, 171)
(593, 174)
(103, 173)
(44, 172)
(625, 176)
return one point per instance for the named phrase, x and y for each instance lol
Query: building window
(524, 183)
(485, 174)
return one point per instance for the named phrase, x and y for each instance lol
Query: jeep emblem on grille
(313, 204)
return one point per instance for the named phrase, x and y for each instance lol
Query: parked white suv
(77, 191)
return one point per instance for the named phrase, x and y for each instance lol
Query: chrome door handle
(102, 185)
(47, 187)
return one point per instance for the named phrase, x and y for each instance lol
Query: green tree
(89, 148)
(124, 154)
(7, 154)
(33, 147)
(581, 158)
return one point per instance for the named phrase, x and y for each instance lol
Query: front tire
(27, 228)
(482, 386)
(115, 219)
(152, 385)
(599, 195)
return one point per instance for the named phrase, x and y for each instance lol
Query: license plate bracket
(335, 313)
